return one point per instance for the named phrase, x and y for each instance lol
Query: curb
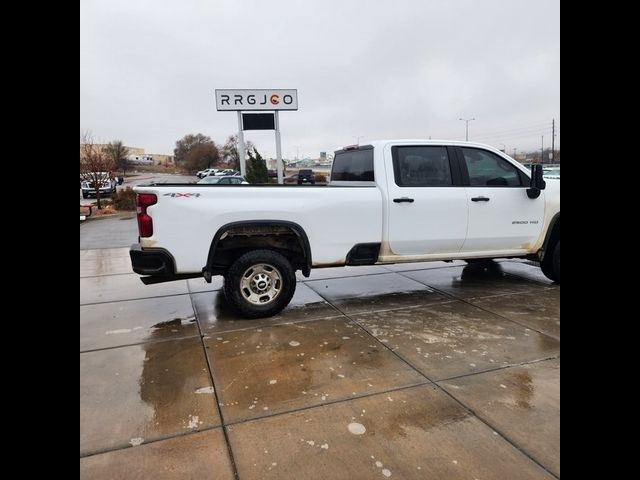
(119, 214)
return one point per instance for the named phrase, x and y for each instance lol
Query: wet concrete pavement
(404, 371)
(122, 228)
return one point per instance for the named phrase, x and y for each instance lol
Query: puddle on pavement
(413, 433)
(274, 369)
(473, 281)
(454, 338)
(143, 392)
(522, 402)
(124, 323)
(215, 315)
(539, 310)
(191, 456)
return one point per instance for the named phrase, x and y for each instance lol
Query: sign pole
(278, 149)
(241, 149)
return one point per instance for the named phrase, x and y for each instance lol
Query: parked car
(273, 173)
(552, 173)
(107, 184)
(223, 180)
(205, 172)
(227, 171)
(306, 175)
(222, 173)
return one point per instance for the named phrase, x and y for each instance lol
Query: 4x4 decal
(177, 195)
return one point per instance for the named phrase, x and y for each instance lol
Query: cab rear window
(353, 165)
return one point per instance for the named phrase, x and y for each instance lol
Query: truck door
(427, 203)
(501, 215)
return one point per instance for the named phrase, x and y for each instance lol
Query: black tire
(282, 278)
(550, 266)
(478, 261)
(556, 261)
(85, 195)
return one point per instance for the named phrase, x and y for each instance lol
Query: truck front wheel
(551, 264)
(260, 284)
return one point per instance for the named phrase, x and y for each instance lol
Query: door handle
(480, 199)
(403, 200)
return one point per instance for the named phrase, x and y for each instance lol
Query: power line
(527, 127)
(516, 132)
(516, 136)
(530, 130)
(523, 132)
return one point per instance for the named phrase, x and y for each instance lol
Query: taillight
(145, 222)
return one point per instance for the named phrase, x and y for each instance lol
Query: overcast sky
(380, 69)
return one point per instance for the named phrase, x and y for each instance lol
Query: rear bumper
(151, 261)
(92, 192)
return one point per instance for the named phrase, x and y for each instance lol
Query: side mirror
(537, 181)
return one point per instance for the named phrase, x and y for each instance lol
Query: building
(137, 156)
(163, 160)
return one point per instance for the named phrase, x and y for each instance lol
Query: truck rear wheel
(260, 284)
(550, 266)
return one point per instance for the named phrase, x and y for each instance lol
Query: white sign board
(262, 99)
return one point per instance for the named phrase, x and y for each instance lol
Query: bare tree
(201, 156)
(94, 164)
(230, 153)
(186, 144)
(118, 153)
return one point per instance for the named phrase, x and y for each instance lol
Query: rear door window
(421, 166)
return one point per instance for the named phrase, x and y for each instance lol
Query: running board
(169, 278)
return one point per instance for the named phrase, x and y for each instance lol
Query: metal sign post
(241, 149)
(278, 150)
(240, 100)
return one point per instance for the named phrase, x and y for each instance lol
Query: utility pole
(358, 139)
(297, 152)
(542, 151)
(466, 120)
(514, 153)
(553, 140)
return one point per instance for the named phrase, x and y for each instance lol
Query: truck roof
(423, 141)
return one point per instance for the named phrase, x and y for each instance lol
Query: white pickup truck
(107, 184)
(388, 202)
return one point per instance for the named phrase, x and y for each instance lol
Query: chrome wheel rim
(261, 284)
